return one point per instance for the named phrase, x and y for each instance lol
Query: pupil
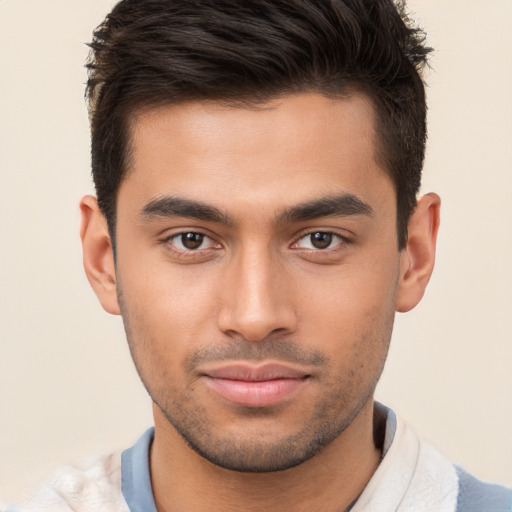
(321, 240)
(192, 240)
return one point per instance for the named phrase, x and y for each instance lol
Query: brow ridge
(339, 205)
(173, 206)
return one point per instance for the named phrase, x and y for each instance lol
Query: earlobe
(417, 258)
(98, 255)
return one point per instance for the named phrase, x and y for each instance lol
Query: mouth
(255, 386)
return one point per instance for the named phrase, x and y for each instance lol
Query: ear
(417, 258)
(98, 255)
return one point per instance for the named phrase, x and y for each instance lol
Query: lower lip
(256, 394)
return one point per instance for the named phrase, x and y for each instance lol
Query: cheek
(165, 309)
(353, 310)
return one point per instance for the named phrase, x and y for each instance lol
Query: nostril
(255, 329)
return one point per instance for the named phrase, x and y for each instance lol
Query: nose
(256, 297)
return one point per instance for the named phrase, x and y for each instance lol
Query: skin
(258, 288)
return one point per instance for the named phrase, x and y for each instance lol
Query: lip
(256, 386)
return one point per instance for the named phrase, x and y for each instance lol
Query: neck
(183, 481)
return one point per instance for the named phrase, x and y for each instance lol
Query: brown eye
(320, 240)
(191, 241)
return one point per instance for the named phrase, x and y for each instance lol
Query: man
(256, 225)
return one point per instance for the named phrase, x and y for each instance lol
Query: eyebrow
(341, 205)
(172, 206)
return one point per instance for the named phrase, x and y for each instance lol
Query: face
(257, 270)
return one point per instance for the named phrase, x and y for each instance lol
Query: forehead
(286, 149)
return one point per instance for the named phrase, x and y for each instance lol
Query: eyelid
(168, 241)
(343, 239)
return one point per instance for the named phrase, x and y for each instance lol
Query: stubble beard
(251, 455)
(340, 404)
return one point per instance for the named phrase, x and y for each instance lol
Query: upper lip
(255, 373)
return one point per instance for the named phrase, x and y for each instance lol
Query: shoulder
(93, 487)
(476, 496)
(435, 477)
(415, 476)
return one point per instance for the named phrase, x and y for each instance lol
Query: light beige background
(67, 387)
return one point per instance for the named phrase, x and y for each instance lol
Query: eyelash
(342, 241)
(198, 255)
(184, 252)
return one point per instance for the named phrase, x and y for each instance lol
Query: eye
(191, 241)
(319, 240)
